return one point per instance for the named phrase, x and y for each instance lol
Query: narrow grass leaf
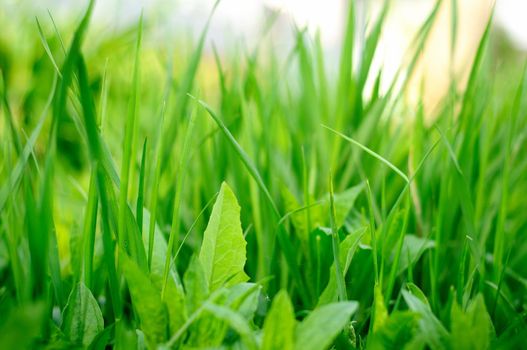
(341, 284)
(370, 152)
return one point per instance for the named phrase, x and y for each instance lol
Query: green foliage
(22, 326)
(396, 332)
(147, 302)
(82, 316)
(432, 332)
(222, 252)
(279, 326)
(321, 326)
(416, 241)
(472, 328)
(346, 252)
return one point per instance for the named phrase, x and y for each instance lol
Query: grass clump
(282, 208)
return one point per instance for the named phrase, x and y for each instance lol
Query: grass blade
(130, 126)
(140, 193)
(370, 152)
(341, 284)
(176, 220)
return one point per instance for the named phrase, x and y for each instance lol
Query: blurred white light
(243, 17)
(510, 14)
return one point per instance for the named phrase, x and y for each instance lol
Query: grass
(283, 207)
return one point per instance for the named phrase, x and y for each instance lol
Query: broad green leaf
(396, 332)
(243, 298)
(471, 329)
(103, 338)
(125, 338)
(413, 248)
(418, 293)
(222, 253)
(82, 316)
(344, 202)
(432, 331)
(146, 300)
(279, 325)
(347, 249)
(235, 321)
(320, 328)
(208, 331)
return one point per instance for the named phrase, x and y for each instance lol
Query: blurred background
(239, 18)
(240, 24)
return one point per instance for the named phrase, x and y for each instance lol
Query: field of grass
(157, 198)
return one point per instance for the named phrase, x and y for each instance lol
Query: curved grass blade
(128, 144)
(370, 152)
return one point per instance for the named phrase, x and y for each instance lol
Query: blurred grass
(442, 205)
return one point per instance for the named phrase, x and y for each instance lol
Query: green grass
(153, 199)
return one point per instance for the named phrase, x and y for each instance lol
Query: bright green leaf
(471, 329)
(347, 249)
(82, 316)
(222, 253)
(432, 331)
(146, 300)
(344, 202)
(279, 325)
(396, 332)
(319, 329)
(413, 248)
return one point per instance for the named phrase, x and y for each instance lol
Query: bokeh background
(171, 25)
